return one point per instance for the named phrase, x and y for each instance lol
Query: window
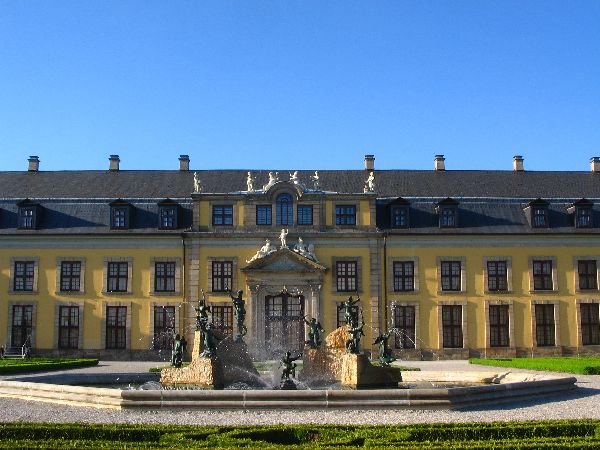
(452, 335)
(118, 217)
(116, 327)
(590, 328)
(285, 209)
(404, 324)
(305, 215)
(499, 331)
(542, 275)
(583, 217)
(399, 217)
(222, 215)
(404, 276)
(497, 276)
(263, 215)
(587, 274)
(117, 277)
(346, 276)
(345, 215)
(24, 276)
(451, 275)
(164, 327)
(164, 277)
(68, 327)
(222, 317)
(167, 217)
(22, 324)
(27, 217)
(70, 276)
(539, 217)
(448, 217)
(222, 276)
(544, 325)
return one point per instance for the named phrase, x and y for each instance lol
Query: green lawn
(583, 365)
(558, 434)
(9, 366)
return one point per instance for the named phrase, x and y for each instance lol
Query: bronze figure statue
(240, 313)
(209, 341)
(353, 343)
(350, 311)
(385, 352)
(177, 352)
(314, 334)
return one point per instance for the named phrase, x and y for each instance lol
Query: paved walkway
(581, 403)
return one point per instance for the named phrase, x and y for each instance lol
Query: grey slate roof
(389, 183)
(490, 201)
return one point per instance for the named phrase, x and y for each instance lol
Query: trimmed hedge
(562, 434)
(584, 365)
(8, 366)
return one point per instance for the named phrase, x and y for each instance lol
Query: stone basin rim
(499, 387)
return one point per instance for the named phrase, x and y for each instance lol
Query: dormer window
(27, 215)
(447, 210)
(537, 211)
(168, 212)
(583, 213)
(399, 210)
(119, 215)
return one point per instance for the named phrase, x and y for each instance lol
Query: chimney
(438, 162)
(369, 162)
(184, 162)
(114, 163)
(518, 163)
(34, 164)
(594, 163)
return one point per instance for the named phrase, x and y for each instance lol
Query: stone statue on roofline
(316, 180)
(265, 250)
(294, 177)
(282, 237)
(197, 183)
(250, 182)
(370, 183)
(273, 178)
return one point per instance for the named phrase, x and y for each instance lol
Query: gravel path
(578, 404)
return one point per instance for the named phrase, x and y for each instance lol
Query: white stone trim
(59, 261)
(178, 275)
(80, 304)
(509, 274)
(463, 273)
(556, 304)
(390, 275)
(109, 259)
(576, 260)
(462, 303)
(36, 271)
(106, 304)
(553, 259)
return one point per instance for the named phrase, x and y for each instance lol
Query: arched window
(285, 209)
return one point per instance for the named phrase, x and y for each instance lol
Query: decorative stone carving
(282, 237)
(265, 250)
(316, 180)
(370, 183)
(305, 250)
(250, 182)
(273, 178)
(197, 183)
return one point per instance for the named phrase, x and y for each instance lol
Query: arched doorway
(284, 324)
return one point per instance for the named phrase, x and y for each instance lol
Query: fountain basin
(493, 387)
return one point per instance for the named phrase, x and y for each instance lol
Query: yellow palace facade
(110, 263)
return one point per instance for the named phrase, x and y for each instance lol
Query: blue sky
(299, 84)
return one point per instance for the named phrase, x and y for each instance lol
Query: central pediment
(284, 260)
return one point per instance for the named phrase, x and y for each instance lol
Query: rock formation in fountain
(230, 364)
(333, 364)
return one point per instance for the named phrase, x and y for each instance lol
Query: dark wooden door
(284, 324)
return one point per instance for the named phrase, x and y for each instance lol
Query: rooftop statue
(316, 180)
(308, 251)
(370, 183)
(265, 250)
(197, 183)
(250, 182)
(294, 177)
(273, 178)
(282, 237)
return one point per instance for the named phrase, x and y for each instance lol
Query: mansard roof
(159, 184)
